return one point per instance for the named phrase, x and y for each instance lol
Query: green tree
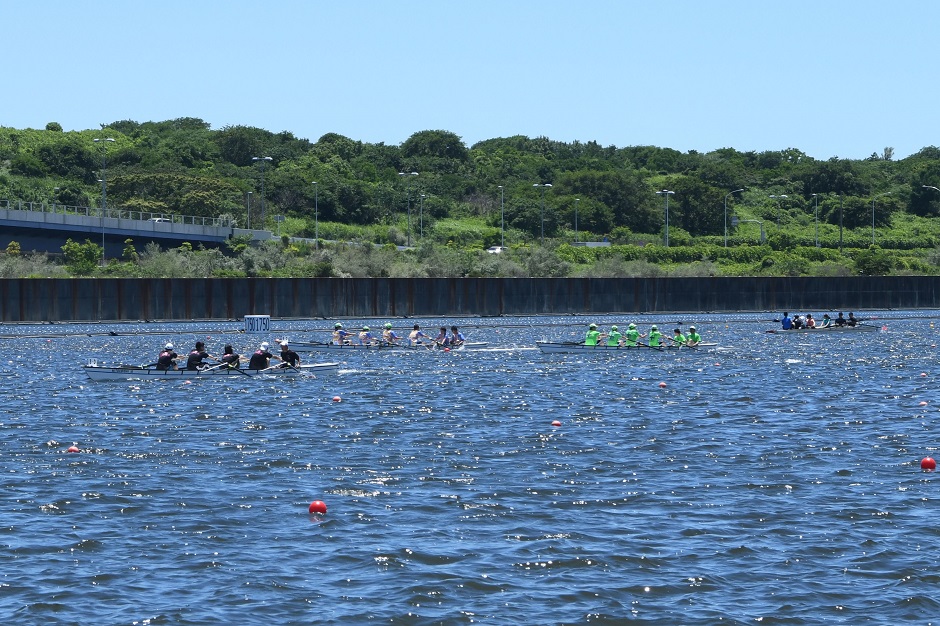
(82, 259)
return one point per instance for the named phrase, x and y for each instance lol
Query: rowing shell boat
(861, 328)
(554, 347)
(125, 372)
(312, 346)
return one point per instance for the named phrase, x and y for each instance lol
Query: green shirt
(678, 339)
(633, 335)
(694, 337)
(613, 339)
(655, 336)
(591, 338)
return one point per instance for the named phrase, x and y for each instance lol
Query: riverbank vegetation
(432, 206)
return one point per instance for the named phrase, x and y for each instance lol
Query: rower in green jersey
(632, 336)
(593, 336)
(655, 337)
(678, 339)
(614, 337)
(693, 338)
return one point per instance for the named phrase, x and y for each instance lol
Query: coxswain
(289, 358)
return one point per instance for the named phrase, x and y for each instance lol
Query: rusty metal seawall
(57, 300)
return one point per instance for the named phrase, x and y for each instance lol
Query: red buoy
(556, 423)
(662, 385)
(317, 507)
(927, 464)
(73, 449)
(337, 399)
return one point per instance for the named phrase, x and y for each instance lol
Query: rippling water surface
(770, 480)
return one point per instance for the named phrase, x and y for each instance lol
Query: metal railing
(118, 213)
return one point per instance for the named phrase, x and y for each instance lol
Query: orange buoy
(317, 507)
(927, 464)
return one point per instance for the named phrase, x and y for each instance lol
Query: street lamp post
(873, 214)
(55, 190)
(316, 215)
(816, 215)
(726, 212)
(576, 238)
(264, 160)
(502, 218)
(104, 187)
(421, 217)
(666, 193)
(408, 194)
(780, 199)
(248, 225)
(542, 219)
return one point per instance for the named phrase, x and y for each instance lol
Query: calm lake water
(772, 480)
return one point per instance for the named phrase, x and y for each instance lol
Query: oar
(640, 343)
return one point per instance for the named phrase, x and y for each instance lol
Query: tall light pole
(576, 238)
(816, 214)
(55, 190)
(502, 219)
(248, 225)
(316, 215)
(666, 193)
(104, 187)
(408, 194)
(726, 212)
(543, 186)
(780, 199)
(264, 160)
(873, 214)
(421, 216)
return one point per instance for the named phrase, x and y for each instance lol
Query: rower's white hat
(168, 346)
(284, 344)
(264, 345)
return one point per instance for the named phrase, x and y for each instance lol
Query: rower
(614, 337)
(632, 336)
(340, 336)
(261, 358)
(826, 322)
(593, 336)
(229, 358)
(655, 336)
(365, 337)
(196, 357)
(441, 338)
(678, 339)
(167, 358)
(389, 336)
(693, 338)
(415, 336)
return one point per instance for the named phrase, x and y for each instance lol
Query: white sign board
(257, 324)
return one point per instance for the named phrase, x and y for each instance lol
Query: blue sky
(830, 78)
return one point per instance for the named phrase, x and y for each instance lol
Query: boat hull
(102, 373)
(550, 347)
(862, 328)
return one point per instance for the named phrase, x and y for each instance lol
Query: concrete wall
(36, 300)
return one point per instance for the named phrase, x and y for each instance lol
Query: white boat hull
(103, 373)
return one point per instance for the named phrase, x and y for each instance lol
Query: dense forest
(432, 205)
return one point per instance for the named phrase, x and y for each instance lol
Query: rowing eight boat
(577, 348)
(861, 328)
(312, 346)
(124, 372)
